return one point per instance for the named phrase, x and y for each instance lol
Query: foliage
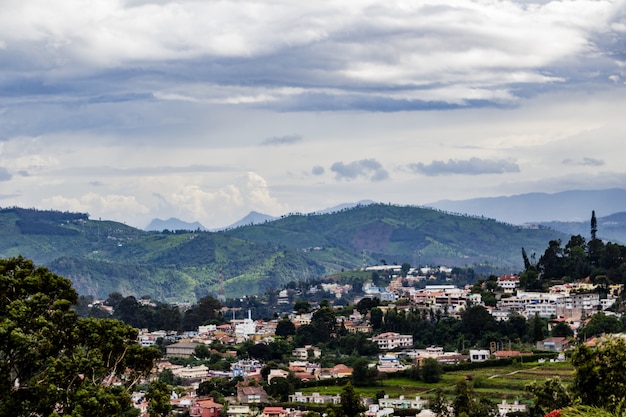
(351, 404)
(600, 377)
(158, 397)
(103, 256)
(431, 370)
(53, 362)
(362, 374)
(548, 396)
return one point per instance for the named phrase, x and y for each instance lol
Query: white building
(392, 341)
(479, 355)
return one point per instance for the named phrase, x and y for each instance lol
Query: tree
(599, 324)
(431, 370)
(279, 388)
(600, 376)
(285, 328)
(158, 397)
(362, 374)
(351, 404)
(53, 362)
(439, 405)
(551, 395)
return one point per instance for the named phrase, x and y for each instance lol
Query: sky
(205, 110)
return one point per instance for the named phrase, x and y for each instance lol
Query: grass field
(495, 383)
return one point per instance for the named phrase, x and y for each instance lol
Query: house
(303, 352)
(251, 395)
(392, 341)
(238, 410)
(274, 412)
(181, 349)
(377, 411)
(554, 344)
(314, 398)
(276, 373)
(205, 408)
(516, 407)
(191, 372)
(479, 355)
(402, 403)
(341, 371)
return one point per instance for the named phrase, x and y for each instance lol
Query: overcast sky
(205, 110)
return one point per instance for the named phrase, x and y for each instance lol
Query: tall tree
(351, 404)
(53, 362)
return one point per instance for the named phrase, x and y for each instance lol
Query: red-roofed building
(205, 408)
(274, 412)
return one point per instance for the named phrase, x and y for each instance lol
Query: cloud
(318, 170)
(472, 166)
(231, 201)
(366, 168)
(109, 206)
(583, 162)
(282, 140)
(5, 175)
(321, 55)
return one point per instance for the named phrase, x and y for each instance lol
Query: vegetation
(102, 257)
(53, 362)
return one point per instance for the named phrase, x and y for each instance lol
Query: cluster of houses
(571, 303)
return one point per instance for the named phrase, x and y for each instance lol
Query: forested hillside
(105, 256)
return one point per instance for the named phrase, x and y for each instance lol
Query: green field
(495, 383)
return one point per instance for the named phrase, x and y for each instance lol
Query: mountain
(610, 228)
(158, 225)
(104, 256)
(254, 217)
(567, 206)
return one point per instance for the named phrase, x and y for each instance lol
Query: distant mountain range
(567, 206)
(104, 256)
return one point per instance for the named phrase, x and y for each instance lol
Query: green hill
(104, 256)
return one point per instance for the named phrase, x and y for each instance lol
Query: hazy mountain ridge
(566, 206)
(610, 228)
(104, 256)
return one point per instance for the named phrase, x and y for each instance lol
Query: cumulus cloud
(282, 140)
(472, 166)
(231, 201)
(583, 162)
(365, 168)
(5, 175)
(111, 206)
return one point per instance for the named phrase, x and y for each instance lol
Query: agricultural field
(495, 383)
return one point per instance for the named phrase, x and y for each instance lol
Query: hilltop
(105, 256)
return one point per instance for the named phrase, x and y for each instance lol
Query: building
(314, 398)
(181, 349)
(504, 408)
(392, 341)
(205, 408)
(251, 395)
(554, 344)
(402, 403)
(479, 355)
(235, 410)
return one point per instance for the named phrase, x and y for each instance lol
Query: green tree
(600, 376)
(158, 397)
(431, 370)
(351, 404)
(362, 374)
(53, 362)
(285, 328)
(279, 389)
(548, 396)
(599, 324)
(439, 404)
